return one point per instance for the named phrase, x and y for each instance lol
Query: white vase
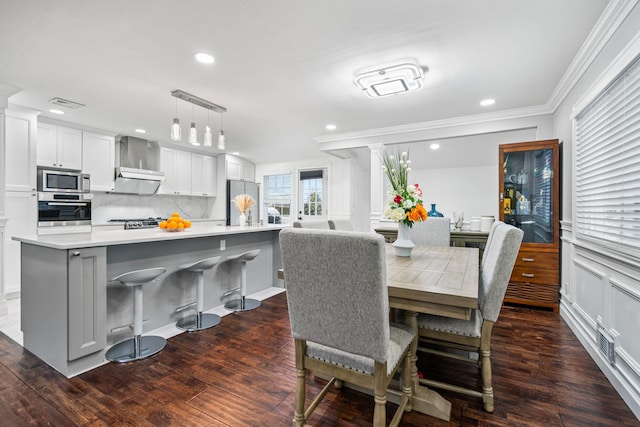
(403, 243)
(242, 220)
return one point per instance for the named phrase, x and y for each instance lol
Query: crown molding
(608, 23)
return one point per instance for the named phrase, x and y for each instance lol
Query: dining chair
(487, 245)
(341, 224)
(435, 231)
(316, 224)
(437, 334)
(339, 314)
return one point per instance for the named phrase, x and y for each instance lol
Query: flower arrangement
(243, 202)
(405, 204)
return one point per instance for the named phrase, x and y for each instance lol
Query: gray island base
(70, 313)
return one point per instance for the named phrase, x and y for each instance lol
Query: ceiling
(284, 68)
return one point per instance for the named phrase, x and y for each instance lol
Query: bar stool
(243, 303)
(138, 347)
(200, 320)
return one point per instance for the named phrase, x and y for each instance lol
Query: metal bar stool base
(125, 351)
(190, 323)
(238, 305)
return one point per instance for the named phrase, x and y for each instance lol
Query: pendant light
(193, 132)
(208, 138)
(176, 134)
(221, 136)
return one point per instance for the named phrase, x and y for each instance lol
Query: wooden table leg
(424, 400)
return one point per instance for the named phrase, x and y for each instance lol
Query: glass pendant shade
(221, 140)
(176, 134)
(193, 134)
(208, 138)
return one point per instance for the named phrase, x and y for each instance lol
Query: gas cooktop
(136, 223)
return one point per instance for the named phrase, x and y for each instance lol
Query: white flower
(396, 214)
(411, 188)
(407, 204)
(404, 154)
(408, 162)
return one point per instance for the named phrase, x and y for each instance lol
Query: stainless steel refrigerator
(236, 187)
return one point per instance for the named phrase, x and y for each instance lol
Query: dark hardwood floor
(241, 373)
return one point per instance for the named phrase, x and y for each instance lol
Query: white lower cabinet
(22, 214)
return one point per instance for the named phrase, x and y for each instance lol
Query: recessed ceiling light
(141, 131)
(204, 58)
(54, 111)
(331, 126)
(434, 146)
(235, 153)
(487, 102)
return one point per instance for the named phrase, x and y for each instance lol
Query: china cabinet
(529, 180)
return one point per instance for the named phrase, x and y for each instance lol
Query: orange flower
(422, 211)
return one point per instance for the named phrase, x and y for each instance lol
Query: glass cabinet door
(528, 195)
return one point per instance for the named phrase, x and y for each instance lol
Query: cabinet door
(22, 214)
(69, 148)
(87, 293)
(197, 174)
(183, 172)
(209, 178)
(234, 170)
(98, 160)
(47, 146)
(20, 145)
(168, 166)
(248, 172)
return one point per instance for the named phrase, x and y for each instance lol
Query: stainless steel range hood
(132, 176)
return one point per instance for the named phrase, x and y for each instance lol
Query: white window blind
(607, 136)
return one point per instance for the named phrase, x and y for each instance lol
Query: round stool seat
(203, 264)
(200, 320)
(139, 277)
(245, 256)
(243, 303)
(138, 347)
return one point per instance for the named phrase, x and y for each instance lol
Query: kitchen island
(71, 313)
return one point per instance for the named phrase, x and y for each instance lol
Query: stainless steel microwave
(63, 181)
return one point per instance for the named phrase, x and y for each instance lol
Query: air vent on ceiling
(607, 346)
(66, 103)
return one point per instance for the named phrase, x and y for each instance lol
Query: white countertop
(109, 237)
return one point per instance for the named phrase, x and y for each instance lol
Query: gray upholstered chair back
(489, 240)
(316, 224)
(341, 224)
(337, 289)
(434, 231)
(499, 260)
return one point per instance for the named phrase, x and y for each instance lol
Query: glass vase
(434, 212)
(403, 243)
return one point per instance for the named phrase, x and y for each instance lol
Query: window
(277, 197)
(311, 191)
(607, 192)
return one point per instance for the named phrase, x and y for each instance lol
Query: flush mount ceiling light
(204, 58)
(391, 80)
(487, 102)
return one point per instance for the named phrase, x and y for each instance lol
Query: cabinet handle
(529, 275)
(528, 259)
(75, 253)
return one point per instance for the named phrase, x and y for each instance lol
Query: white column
(5, 93)
(377, 185)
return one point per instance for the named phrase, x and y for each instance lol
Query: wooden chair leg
(301, 373)
(487, 388)
(407, 384)
(379, 395)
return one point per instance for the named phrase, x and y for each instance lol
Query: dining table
(440, 280)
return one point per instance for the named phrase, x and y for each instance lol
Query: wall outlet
(223, 245)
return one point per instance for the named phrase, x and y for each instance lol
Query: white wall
(600, 288)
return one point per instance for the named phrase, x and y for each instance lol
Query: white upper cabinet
(59, 147)
(203, 175)
(187, 174)
(98, 160)
(238, 168)
(21, 135)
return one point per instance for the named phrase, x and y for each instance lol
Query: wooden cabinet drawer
(530, 274)
(527, 293)
(533, 259)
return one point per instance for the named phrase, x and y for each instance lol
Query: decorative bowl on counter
(175, 223)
